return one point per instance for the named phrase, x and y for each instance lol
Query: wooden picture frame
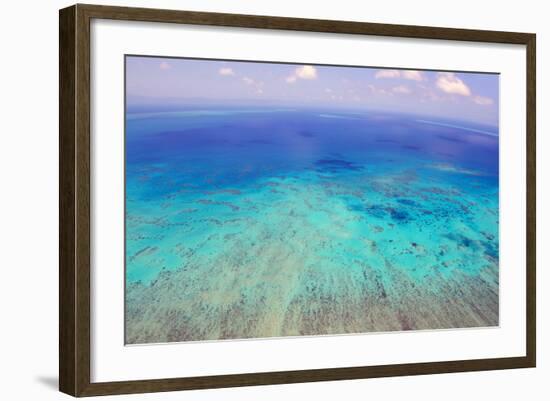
(74, 200)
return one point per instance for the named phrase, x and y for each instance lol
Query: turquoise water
(260, 223)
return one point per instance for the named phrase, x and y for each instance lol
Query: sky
(456, 95)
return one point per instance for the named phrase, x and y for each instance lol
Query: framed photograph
(250, 200)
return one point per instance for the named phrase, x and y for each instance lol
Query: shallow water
(262, 223)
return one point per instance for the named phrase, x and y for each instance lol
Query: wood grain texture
(531, 178)
(301, 24)
(74, 199)
(74, 206)
(82, 200)
(67, 294)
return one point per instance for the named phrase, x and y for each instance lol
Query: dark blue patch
(306, 134)
(464, 242)
(399, 215)
(259, 142)
(376, 211)
(411, 147)
(451, 139)
(334, 165)
(407, 202)
(356, 208)
(491, 249)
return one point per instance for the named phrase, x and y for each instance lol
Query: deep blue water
(199, 147)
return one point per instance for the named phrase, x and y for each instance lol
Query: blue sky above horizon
(460, 96)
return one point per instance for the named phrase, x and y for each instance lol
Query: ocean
(255, 222)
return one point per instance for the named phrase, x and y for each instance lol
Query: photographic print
(278, 199)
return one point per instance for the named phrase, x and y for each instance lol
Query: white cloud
(226, 71)
(411, 75)
(306, 72)
(387, 74)
(164, 66)
(256, 85)
(303, 72)
(448, 82)
(483, 101)
(401, 89)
